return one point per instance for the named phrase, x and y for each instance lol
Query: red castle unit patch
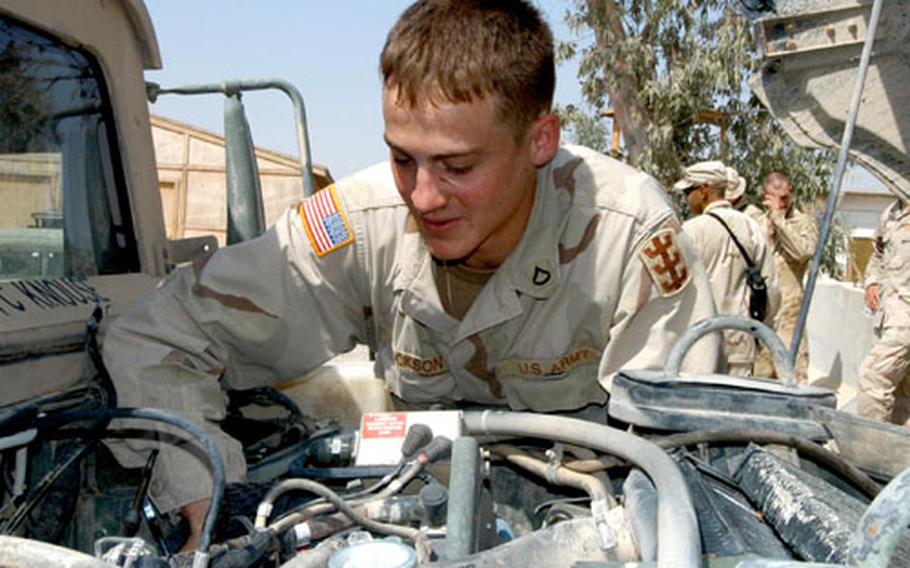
(325, 223)
(665, 261)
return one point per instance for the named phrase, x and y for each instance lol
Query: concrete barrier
(840, 335)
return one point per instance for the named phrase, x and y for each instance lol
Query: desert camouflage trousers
(764, 362)
(884, 383)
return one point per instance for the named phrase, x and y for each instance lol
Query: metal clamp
(554, 461)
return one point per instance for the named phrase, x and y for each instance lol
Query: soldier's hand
(195, 516)
(772, 200)
(872, 298)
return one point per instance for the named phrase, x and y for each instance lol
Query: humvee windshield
(63, 204)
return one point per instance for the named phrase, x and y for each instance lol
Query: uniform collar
(414, 280)
(533, 267)
(719, 204)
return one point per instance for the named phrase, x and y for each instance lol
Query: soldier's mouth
(439, 226)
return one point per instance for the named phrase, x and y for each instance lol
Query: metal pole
(230, 87)
(836, 179)
(245, 212)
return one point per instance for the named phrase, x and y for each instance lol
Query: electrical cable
(94, 352)
(311, 486)
(310, 509)
(208, 444)
(438, 448)
(804, 446)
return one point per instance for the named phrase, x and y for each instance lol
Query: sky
(328, 50)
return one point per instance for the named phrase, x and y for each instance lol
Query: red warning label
(383, 425)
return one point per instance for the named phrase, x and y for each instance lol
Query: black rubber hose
(208, 444)
(439, 447)
(414, 535)
(802, 445)
(94, 353)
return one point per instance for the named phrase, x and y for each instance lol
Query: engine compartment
(477, 487)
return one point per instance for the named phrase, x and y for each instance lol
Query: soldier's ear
(544, 139)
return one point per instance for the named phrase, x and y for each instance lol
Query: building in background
(861, 206)
(191, 177)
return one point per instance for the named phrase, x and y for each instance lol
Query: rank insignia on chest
(325, 222)
(664, 259)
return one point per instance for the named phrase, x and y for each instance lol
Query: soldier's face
(778, 195)
(695, 196)
(467, 180)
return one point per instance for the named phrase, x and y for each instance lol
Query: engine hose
(211, 450)
(882, 525)
(415, 535)
(299, 515)
(94, 352)
(804, 446)
(315, 530)
(18, 439)
(406, 471)
(679, 543)
(558, 475)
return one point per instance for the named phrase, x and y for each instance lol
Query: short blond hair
(463, 50)
(777, 179)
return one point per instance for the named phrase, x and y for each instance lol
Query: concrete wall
(840, 335)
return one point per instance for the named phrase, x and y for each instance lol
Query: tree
(659, 64)
(23, 115)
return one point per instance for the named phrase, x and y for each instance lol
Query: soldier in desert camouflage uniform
(884, 384)
(709, 187)
(793, 236)
(486, 264)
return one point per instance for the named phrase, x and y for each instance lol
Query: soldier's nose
(427, 195)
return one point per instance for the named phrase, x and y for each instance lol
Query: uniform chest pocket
(898, 251)
(418, 373)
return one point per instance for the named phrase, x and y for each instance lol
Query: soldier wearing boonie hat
(708, 188)
(713, 173)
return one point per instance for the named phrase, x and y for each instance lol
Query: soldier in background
(884, 391)
(708, 187)
(793, 236)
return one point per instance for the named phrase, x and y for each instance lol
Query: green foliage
(660, 64)
(586, 128)
(23, 116)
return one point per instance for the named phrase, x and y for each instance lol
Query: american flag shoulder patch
(324, 221)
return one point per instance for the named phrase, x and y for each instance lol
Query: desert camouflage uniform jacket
(601, 280)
